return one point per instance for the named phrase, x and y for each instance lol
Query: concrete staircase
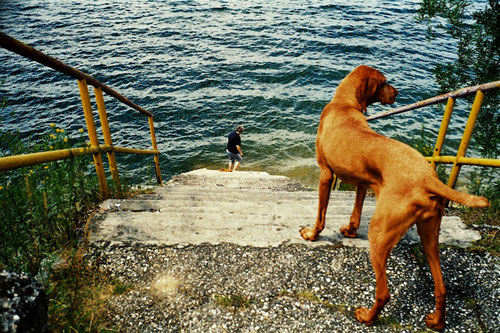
(244, 208)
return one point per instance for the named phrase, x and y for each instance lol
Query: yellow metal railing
(18, 161)
(460, 158)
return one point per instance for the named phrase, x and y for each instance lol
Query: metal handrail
(460, 158)
(438, 99)
(14, 162)
(25, 160)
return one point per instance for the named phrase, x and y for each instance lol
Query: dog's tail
(463, 198)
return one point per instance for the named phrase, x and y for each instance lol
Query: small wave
(204, 67)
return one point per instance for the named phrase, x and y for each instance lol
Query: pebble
(24, 306)
(291, 288)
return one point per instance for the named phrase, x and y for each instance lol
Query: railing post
(107, 137)
(442, 130)
(334, 182)
(469, 127)
(89, 120)
(156, 157)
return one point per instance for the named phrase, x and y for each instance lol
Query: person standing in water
(233, 148)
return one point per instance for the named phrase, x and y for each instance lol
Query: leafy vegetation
(78, 294)
(477, 36)
(41, 204)
(45, 210)
(476, 32)
(424, 145)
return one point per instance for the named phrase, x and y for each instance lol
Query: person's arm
(239, 149)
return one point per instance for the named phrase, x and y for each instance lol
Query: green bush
(475, 31)
(424, 144)
(40, 204)
(44, 212)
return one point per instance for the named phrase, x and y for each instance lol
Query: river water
(203, 67)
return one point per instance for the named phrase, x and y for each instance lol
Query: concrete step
(234, 180)
(245, 208)
(223, 192)
(206, 205)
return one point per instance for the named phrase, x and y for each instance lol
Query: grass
(392, 322)
(310, 296)
(490, 237)
(236, 302)
(486, 220)
(484, 182)
(78, 290)
(42, 204)
(78, 295)
(45, 211)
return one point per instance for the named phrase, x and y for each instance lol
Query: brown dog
(407, 188)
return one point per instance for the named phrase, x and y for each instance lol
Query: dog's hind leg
(386, 228)
(325, 185)
(429, 237)
(350, 230)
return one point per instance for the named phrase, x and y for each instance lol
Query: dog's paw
(344, 230)
(434, 321)
(363, 316)
(308, 234)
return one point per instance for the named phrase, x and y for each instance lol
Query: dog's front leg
(325, 185)
(350, 230)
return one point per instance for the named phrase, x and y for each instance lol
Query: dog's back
(360, 156)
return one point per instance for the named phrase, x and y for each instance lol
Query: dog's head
(372, 87)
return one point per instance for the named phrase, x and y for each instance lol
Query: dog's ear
(367, 88)
(365, 91)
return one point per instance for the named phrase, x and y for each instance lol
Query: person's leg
(231, 160)
(237, 161)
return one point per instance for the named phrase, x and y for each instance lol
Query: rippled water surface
(202, 67)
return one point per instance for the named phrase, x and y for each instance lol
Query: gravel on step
(290, 288)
